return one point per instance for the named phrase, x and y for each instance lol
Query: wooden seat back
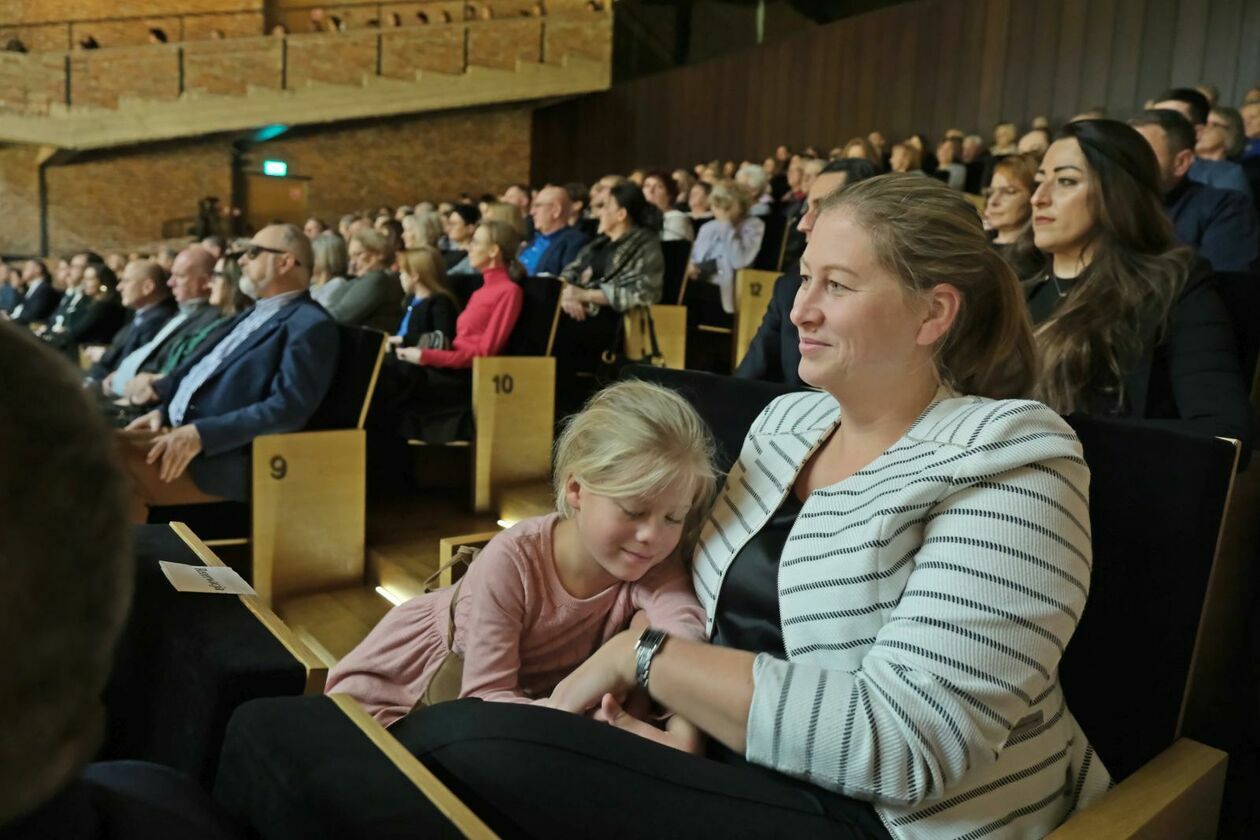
(753, 292)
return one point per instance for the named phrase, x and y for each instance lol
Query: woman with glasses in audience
(461, 222)
(660, 191)
(332, 264)
(493, 211)
(372, 298)
(890, 577)
(424, 227)
(623, 267)
(1008, 214)
(429, 317)
(1128, 322)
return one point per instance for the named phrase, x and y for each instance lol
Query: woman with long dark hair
(1128, 322)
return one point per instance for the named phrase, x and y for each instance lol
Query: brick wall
(118, 199)
(29, 84)
(230, 67)
(435, 48)
(62, 11)
(338, 58)
(589, 38)
(500, 43)
(98, 76)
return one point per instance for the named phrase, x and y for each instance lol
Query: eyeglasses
(253, 252)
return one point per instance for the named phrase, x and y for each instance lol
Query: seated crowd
(914, 695)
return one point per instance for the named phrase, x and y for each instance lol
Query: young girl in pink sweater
(633, 480)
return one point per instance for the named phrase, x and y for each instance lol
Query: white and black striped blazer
(925, 603)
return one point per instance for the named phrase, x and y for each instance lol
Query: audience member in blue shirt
(555, 244)
(430, 306)
(266, 375)
(1220, 224)
(1194, 106)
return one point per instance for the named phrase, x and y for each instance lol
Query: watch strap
(648, 645)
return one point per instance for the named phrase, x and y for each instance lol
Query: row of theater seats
(1151, 668)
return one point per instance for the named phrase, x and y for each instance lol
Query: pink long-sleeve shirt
(485, 325)
(519, 631)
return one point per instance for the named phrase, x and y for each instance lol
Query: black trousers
(536, 772)
(577, 348)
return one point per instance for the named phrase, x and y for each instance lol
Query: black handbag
(613, 360)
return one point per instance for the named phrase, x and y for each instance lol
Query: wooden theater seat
(753, 291)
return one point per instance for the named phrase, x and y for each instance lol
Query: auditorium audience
(314, 227)
(753, 178)
(432, 388)
(555, 243)
(949, 167)
(1008, 214)
(1251, 130)
(1128, 322)
(1219, 224)
(905, 158)
(332, 265)
(725, 245)
(429, 317)
(1222, 137)
(66, 560)
(698, 208)
(266, 375)
(1192, 105)
(191, 276)
(144, 291)
(774, 353)
(1004, 135)
(71, 278)
(372, 299)
(422, 227)
(660, 191)
(683, 182)
(924, 348)
(11, 290)
(461, 222)
(1034, 143)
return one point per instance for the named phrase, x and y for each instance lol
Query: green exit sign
(275, 168)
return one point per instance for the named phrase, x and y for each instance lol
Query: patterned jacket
(925, 603)
(636, 270)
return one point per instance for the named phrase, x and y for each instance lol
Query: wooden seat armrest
(1176, 794)
(442, 798)
(447, 546)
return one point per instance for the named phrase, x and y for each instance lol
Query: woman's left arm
(638, 280)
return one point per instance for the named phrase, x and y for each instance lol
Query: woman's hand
(693, 271)
(609, 670)
(408, 354)
(571, 302)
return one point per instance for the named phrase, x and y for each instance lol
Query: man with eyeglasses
(267, 375)
(554, 244)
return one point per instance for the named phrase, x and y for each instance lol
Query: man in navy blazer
(267, 375)
(1220, 224)
(775, 352)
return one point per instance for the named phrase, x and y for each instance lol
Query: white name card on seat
(218, 580)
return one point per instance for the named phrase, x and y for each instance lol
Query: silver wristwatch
(644, 649)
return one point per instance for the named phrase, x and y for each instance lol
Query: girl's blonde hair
(632, 440)
(426, 265)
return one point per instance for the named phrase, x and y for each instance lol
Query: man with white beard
(267, 375)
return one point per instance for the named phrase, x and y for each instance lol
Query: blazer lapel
(257, 336)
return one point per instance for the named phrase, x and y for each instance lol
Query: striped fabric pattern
(925, 603)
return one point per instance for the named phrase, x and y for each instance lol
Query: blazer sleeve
(306, 370)
(762, 359)
(490, 339)
(1231, 238)
(1000, 579)
(1201, 354)
(640, 278)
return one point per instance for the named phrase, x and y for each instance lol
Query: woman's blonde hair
(425, 263)
(374, 242)
(731, 195)
(501, 211)
(508, 240)
(927, 234)
(331, 259)
(632, 440)
(426, 225)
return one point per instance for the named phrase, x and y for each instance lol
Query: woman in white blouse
(727, 244)
(660, 191)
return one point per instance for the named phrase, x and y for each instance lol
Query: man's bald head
(143, 284)
(191, 274)
(551, 209)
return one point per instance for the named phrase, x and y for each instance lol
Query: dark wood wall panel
(916, 67)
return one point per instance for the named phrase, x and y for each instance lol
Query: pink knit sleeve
(488, 339)
(665, 594)
(491, 617)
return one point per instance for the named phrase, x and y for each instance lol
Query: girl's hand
(609, 670)
(680, 735)
(395, 341)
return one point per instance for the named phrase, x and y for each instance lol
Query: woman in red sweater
(437, 398)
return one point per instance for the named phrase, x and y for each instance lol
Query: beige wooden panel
(514, 409)
(1176, 794)
(309, 512)
(460, 815)
(316, 668)
(753, 291)
(671, 334)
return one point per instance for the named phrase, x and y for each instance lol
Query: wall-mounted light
(275, 168)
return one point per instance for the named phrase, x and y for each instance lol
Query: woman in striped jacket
(890, 578)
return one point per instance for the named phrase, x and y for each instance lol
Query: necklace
(1057, 287)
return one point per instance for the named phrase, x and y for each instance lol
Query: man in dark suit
(555, 243)
(144, 292)
(775, 353)
(1220, 224)
(266, 375)
(40, 300)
